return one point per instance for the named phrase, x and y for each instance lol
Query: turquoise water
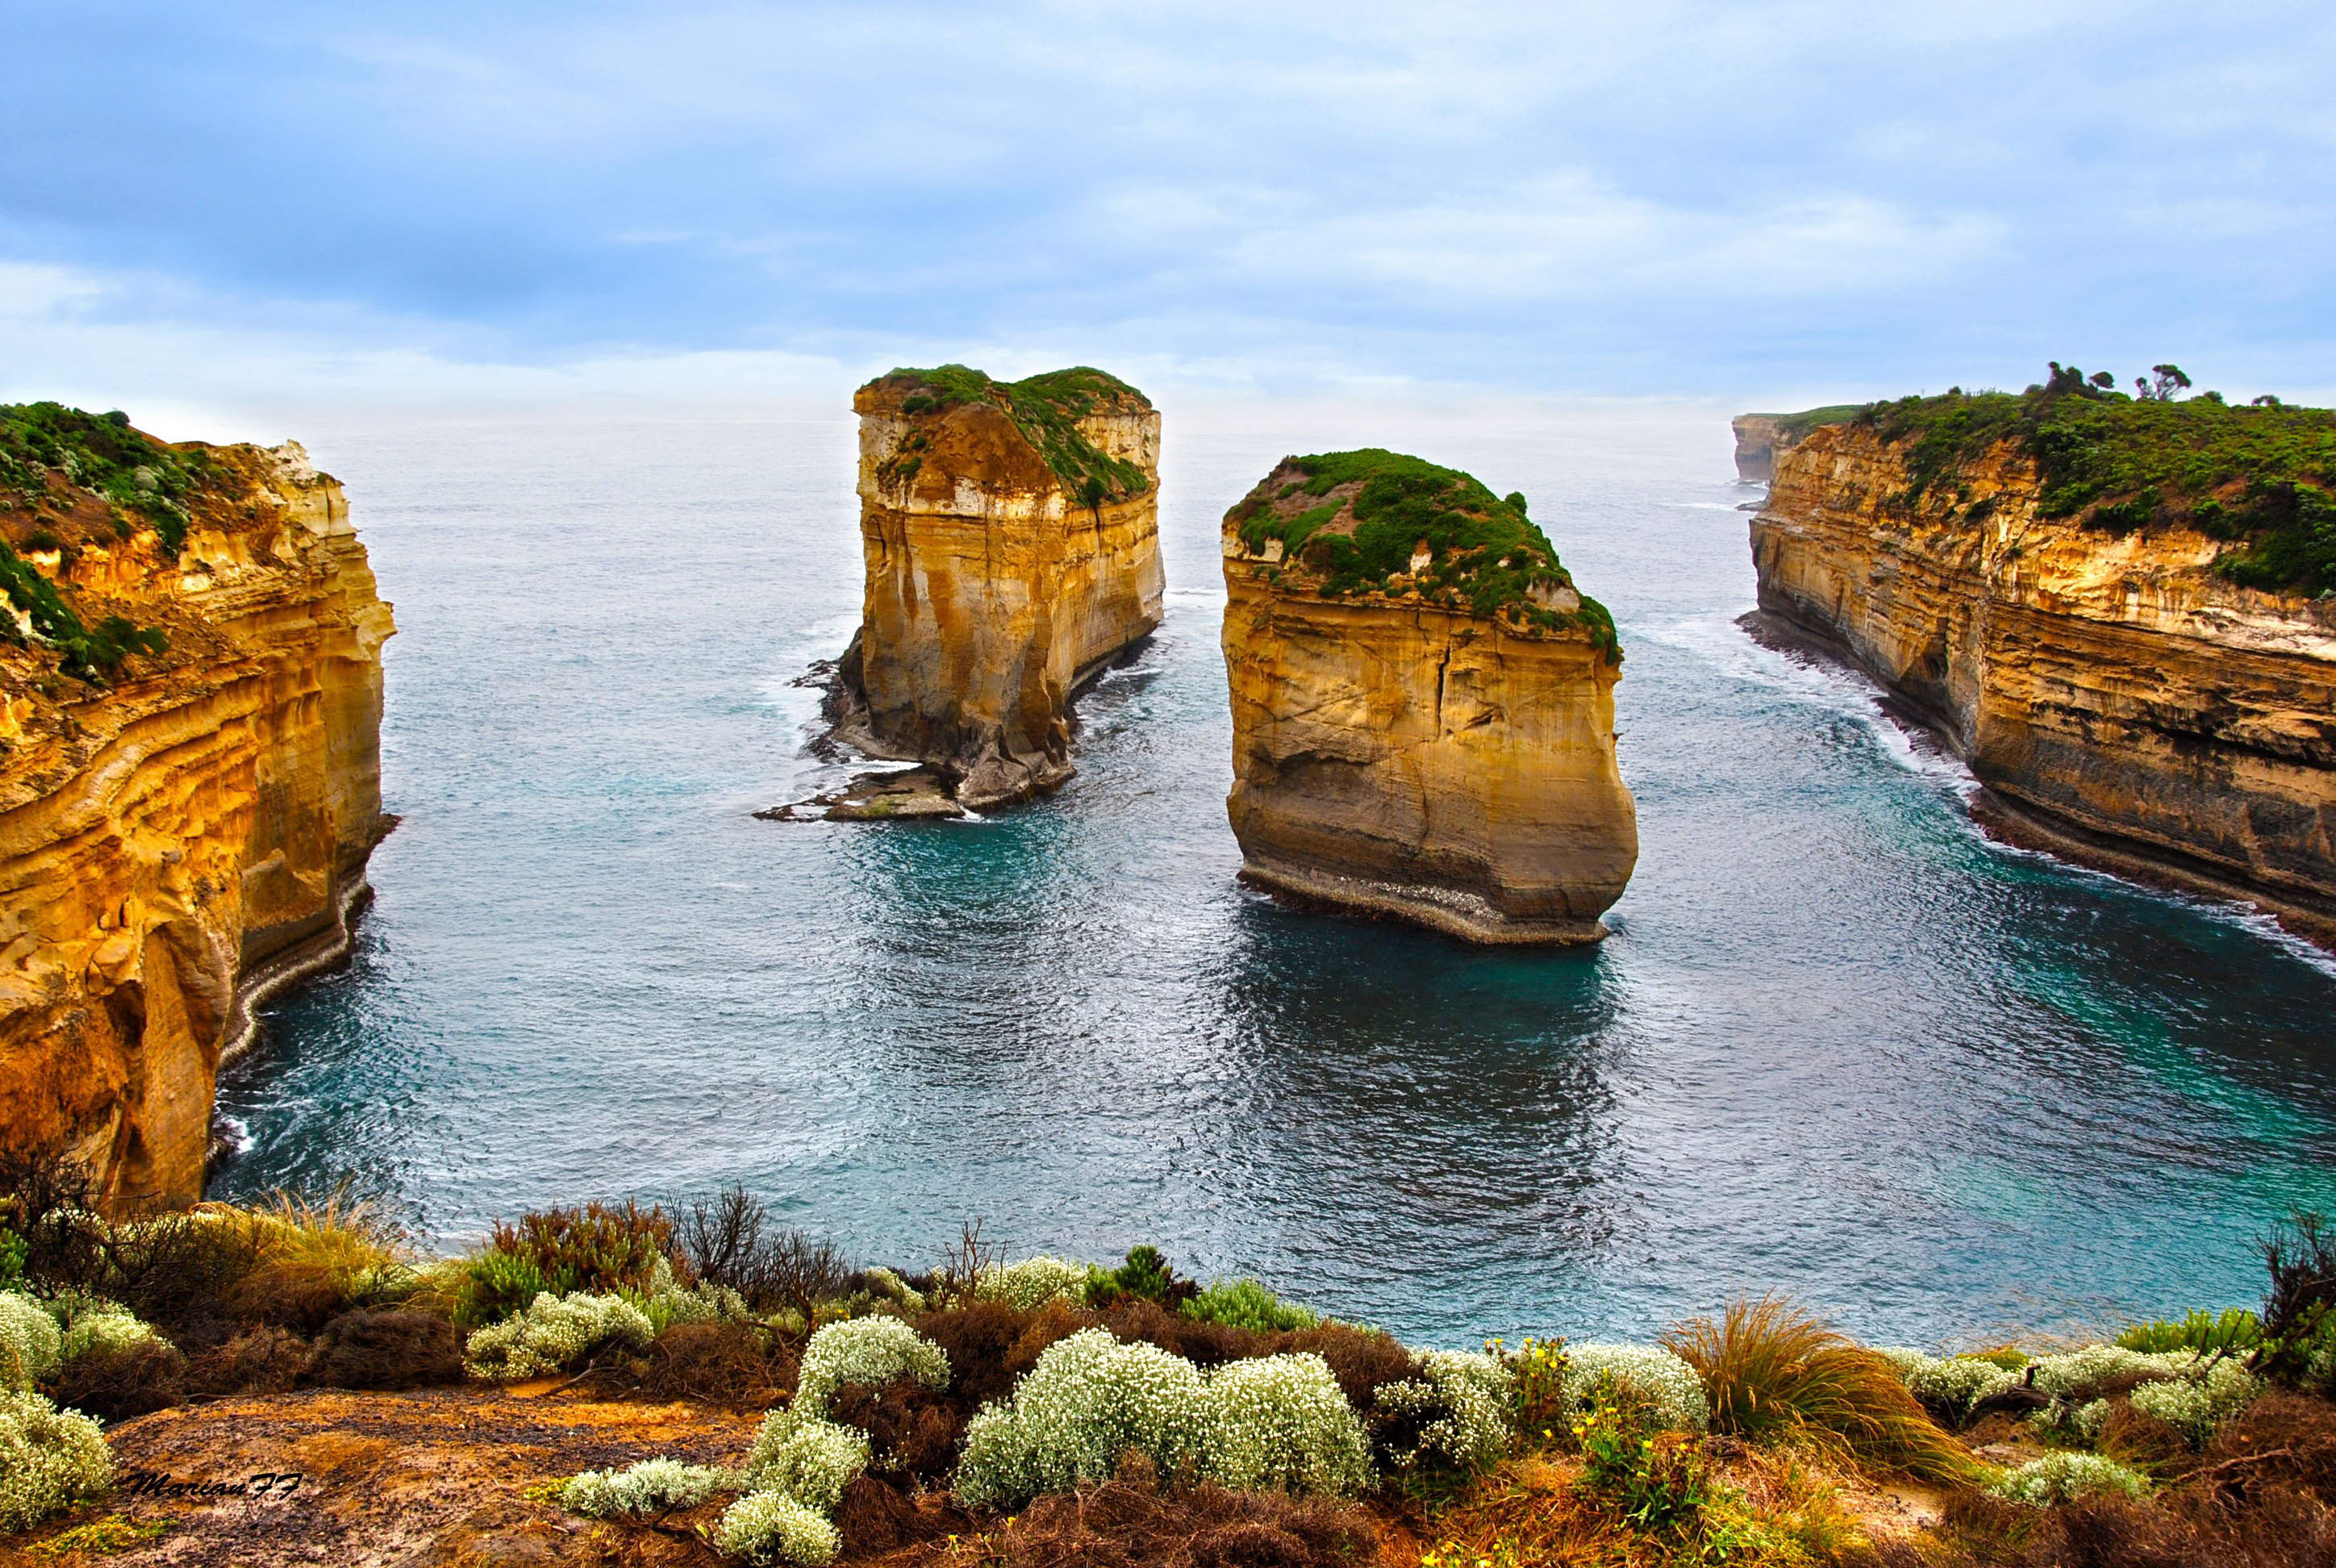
(1839, 1044)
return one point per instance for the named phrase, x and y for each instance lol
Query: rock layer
(189, 830)
(1012, 547)
(2120, 701)
(1435, 744)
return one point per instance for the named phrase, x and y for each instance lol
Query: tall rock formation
(2118, 612)
(1422, 704)
(1012, 541)
(189, 775)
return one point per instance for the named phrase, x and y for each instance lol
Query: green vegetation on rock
(2262, 476)
(1047, 409)
(101, 453)
(1358, 519)
(1797, 426)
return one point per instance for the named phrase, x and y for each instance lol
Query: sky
(1765, 203)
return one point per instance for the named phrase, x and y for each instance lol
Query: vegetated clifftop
(1423, 704)
(190, 773)
(1012, 543)
(1761, 439)
(2117, 611)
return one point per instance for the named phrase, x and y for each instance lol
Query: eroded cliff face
(1012, 550)
(1760, 439)
(1435, 744)
(2121, 702)
(185, 829)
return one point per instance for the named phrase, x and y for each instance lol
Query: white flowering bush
(1668, 1383)
(1280, 1422)
(708, 1303)
(556, 1333)
(651, 1486)
(2080, 1374)
(1950, 1386)
(807, 1457)
(1089, 1400)
(1033, 1282)
(2196, 1405)
(50, 1460)
(884, 1281)
(1462, 1407)
(103, 1329)
(866, 1350)
(30, 1343)
(2065, 1476)
(773, 1527)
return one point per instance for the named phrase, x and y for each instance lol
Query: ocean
(1840, 1045)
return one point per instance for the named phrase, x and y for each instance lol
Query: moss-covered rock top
(1045, 408)
(69, 478)
(2261, 476)
(1795, 427)
(1386, 524)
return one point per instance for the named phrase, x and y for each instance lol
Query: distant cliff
(1762, 439)
(190, 773)
(1422, 704)
(1012, 546)
(2119, 612)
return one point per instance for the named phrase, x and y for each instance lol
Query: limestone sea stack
(191, 695)
(1012, 543)
(2118, 610)
(1422, 704)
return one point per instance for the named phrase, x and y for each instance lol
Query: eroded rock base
(1448, 909)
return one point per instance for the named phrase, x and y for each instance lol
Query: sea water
(1839, 1044)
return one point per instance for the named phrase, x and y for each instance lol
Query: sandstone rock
(1763, 439)
(2122, 702)
(184, 834)
(1012, 547)
(1422, 704)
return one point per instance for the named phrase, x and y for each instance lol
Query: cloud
(1670, 195)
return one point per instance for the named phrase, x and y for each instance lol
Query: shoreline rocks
(2124, 704)
(1422, 704)
(185, 818)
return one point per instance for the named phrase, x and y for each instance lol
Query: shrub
(598, 1249)
(773, 1527)
(1032, 1283)
(2195, 1405)
(1653, 1479)
(314, 1258)
(651, 1486)
(734, 1364)
(806, 1456)
(386, 1349)
(2066, 1477)
(2206, 1333)
(1133, 1520)
(1771, 1370)
(30, 1343)
(1667, 1385)
(1246, 1304)
(117, 1382)
(1950, 1387)
(100, 1328)
(1146, 1276)
(1457, 1414)
(866, 1350)
(1280, 1422)
(2299, 1315)
(885, 1283)
(707, 1303)
(1089, 1401)
(556, 1333)
(262, 1360)
(50, 1460)
(727, 1242)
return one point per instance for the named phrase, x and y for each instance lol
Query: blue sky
(1760, 202)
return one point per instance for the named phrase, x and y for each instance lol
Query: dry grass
(1773, 1370)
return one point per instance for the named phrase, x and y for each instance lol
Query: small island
(1422, 704)
(1012, 543)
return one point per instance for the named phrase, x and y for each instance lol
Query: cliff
(1422, 704)
(1762, 439)
(189, 775)
(1012, 545)
(2112, 609)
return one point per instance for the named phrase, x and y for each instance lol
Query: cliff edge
(2118, 611)
(1422, 704)
(1012, 544)
(1763, 439)
(191, 702)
